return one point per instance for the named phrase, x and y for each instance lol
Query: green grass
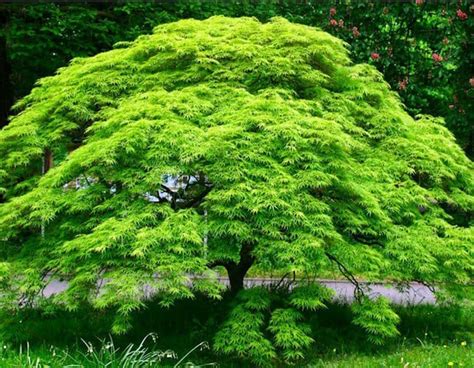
(103, 355)
(414, 356)
(458, 355)
(430, 336)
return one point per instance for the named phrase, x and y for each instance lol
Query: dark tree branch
(358, 292)
(427, 284)
(172, 195)
(219, 262)
(183, 197)
(199, 199)
(361, 239)
(281, 280)
(167, 190)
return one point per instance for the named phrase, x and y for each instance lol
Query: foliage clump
(232, 143)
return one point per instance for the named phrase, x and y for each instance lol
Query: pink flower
(437, 57)
(461, 15)
(333, 22)
(355, 32)
(332, 11)
(374, 56)
(341, 23)
(402, 85)
(471, 82)
(419, 2)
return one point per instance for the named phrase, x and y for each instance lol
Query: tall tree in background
(230, 143)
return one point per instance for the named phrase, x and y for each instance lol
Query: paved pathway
(415, 294)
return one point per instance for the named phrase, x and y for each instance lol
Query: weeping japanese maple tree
(227, 144)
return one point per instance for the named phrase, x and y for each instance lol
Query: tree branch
(219, 262)
(358, 292)
(199, 199)
(281, 280)
(360, 239)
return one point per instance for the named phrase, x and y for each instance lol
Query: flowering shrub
(426, 43)
(461, 15)
(374, 56)
(437, 57)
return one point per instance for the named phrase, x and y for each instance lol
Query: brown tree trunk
(237, 271)
(48, 161)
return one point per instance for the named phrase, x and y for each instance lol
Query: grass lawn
(458, 355)
(430, 336)
(414, 356)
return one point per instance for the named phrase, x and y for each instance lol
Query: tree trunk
(47, 161)
(237, 271)
(236, 278)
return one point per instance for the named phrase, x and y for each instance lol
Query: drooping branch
(281, 280)
(427, 284)
(358, 292)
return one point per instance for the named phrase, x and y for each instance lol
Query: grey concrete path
(344, 290)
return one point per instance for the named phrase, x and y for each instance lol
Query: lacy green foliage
(278, 149)
(376, 318)
(404, 36)
(242, 334)
(264, 326)
(310, 297)
(289, 334)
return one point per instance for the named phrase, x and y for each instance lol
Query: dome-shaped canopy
(226, 142)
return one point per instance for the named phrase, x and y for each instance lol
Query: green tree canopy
(228, 142)
(423, 48)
